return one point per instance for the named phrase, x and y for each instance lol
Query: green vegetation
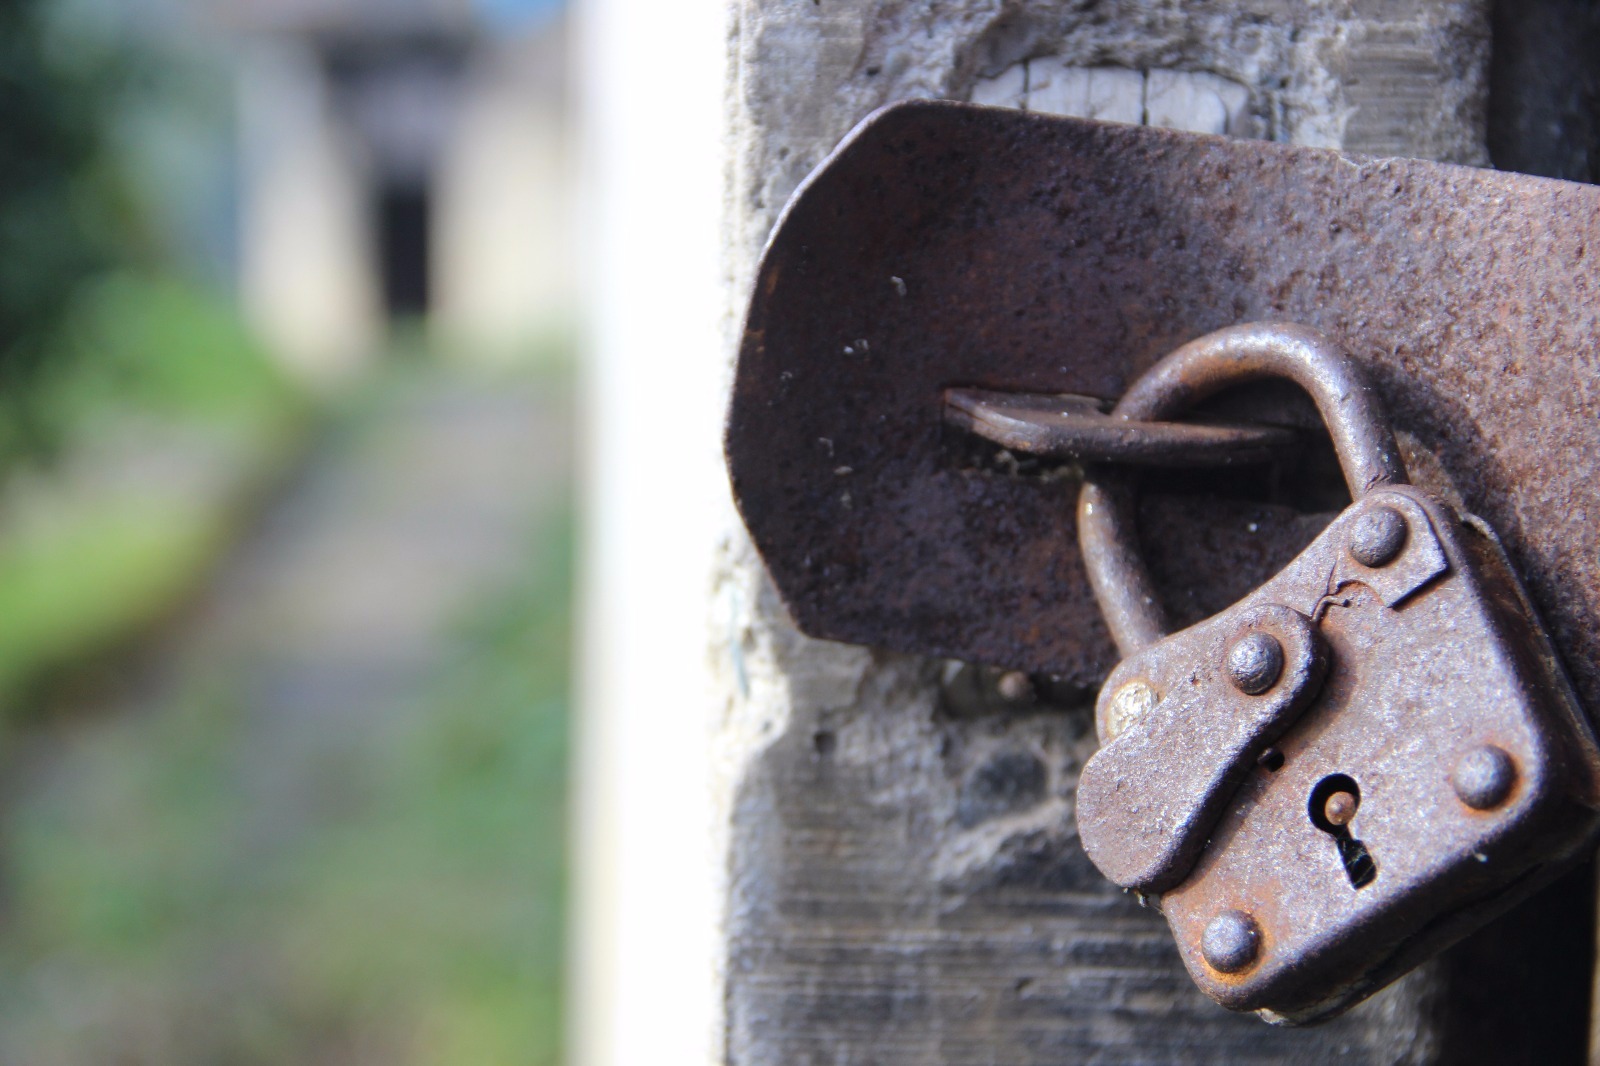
(190, 874)
(166, 349)
(156, 915)
(137, 418)
(167, 422)
(62, 210)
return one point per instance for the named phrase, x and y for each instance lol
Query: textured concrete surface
(905, 883)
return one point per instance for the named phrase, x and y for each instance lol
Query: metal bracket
(951, 247)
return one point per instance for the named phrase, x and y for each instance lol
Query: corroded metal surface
(1439, 773)
(1362, 761)
(1450, 750)
(1362, 439)
(1076, 428)
(1148, 799)
(948, 246)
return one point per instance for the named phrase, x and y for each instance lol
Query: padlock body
(1466, 771)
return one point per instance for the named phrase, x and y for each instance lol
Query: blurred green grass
(422, 924)
(166, 347)
(143, 918)
(144, 449)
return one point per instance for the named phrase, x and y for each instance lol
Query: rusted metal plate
(945, 245)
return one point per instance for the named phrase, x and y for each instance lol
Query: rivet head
(1231, 942)
(1483, 777)
(1376, 536)
(1255, 662)
(1014, 686)
(1128, 704)
(1340, 808)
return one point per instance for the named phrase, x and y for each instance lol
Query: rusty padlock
(1365, 759)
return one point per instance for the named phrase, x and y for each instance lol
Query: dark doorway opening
(403, 247)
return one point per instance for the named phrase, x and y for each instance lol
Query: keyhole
(1334, 802)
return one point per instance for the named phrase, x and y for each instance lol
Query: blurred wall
(306, 273)
(403, 169)
(505, 266)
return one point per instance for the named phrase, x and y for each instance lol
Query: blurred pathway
(266, 846)
(339, 607)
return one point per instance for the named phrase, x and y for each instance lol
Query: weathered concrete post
(893, 874)
(904, 883)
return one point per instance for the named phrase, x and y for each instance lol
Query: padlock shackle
(1107, 525)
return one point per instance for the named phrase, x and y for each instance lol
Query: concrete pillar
(905, 885)
(884, 883)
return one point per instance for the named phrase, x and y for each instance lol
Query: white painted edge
(646, 895)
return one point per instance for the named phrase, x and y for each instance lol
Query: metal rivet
(1254, 663)
(1340, 808)
(1231, 942)
(1483, 777)
(1377, 535)
(1128, 704)
(1014, 686)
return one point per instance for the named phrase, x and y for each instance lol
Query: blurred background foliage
(111, 350)
(150, 449)
(156, 425)
(423, 924)
(64, 215)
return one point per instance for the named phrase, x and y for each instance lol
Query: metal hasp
(1365, 759)
(946, 246)
(1363, 745)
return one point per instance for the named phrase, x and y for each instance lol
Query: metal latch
(1416, 759)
